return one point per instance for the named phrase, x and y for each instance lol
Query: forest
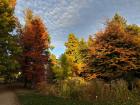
(103, 70)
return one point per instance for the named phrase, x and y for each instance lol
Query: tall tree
(72, 52)
(77, 54)
(9, 48)
(115, 52)
(65, 66)
(83, 57)
(35, 42)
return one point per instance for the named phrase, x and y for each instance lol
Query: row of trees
(110, 54)
(9, 45)
(22, 48)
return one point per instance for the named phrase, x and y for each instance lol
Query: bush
(48, 89)
(72, 87)
(95, 90)
(77, 88)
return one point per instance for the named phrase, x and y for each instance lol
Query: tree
(52, 66)
(9, 47)
(82, 65)
(77, 55)
(72, 52)
(65, 66)
(72, 46)
(115, 53)
(61, 67)
(90, 41)
(133, 30)
(35, 42)
(12, 3)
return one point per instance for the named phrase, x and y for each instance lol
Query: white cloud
(56, 13)
(81, 17)
(66, 12)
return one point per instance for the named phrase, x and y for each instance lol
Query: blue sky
(81, 17)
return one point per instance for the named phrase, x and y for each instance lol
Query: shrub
(71, 87)
(95, 90)
(48, 89)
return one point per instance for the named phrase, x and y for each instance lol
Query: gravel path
(7, 97)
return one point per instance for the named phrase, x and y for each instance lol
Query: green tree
(77, 54)
(61, 67)
(72, 52)
(10, 48)
(66, 66)
(83, 56)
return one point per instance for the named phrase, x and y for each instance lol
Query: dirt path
(7, 97)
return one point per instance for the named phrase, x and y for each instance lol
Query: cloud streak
(58, 15)
(82, 17)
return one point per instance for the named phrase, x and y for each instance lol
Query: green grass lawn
(38, 99)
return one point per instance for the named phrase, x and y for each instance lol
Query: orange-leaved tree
(35, 42)
(114, 52)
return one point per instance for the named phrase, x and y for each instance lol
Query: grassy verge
(32, 98)
(38, 99)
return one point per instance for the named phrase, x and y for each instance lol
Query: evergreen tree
(9, 47)
(65, 66)
(77, 54)
(83, 57)
(72, 52)
(115, 53)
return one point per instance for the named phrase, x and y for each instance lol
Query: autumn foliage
(35, 42)
(110, 54)
(114, 52)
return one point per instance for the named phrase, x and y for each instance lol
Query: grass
(1, 79)
(33, 98)
(38, 99)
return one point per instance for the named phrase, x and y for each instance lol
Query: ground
(7, 96)
(15, 96)
(35, 98)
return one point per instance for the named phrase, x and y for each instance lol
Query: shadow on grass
(34, 98)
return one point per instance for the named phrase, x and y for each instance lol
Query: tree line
(110, 54)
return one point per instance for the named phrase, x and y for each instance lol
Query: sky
(81, 17)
